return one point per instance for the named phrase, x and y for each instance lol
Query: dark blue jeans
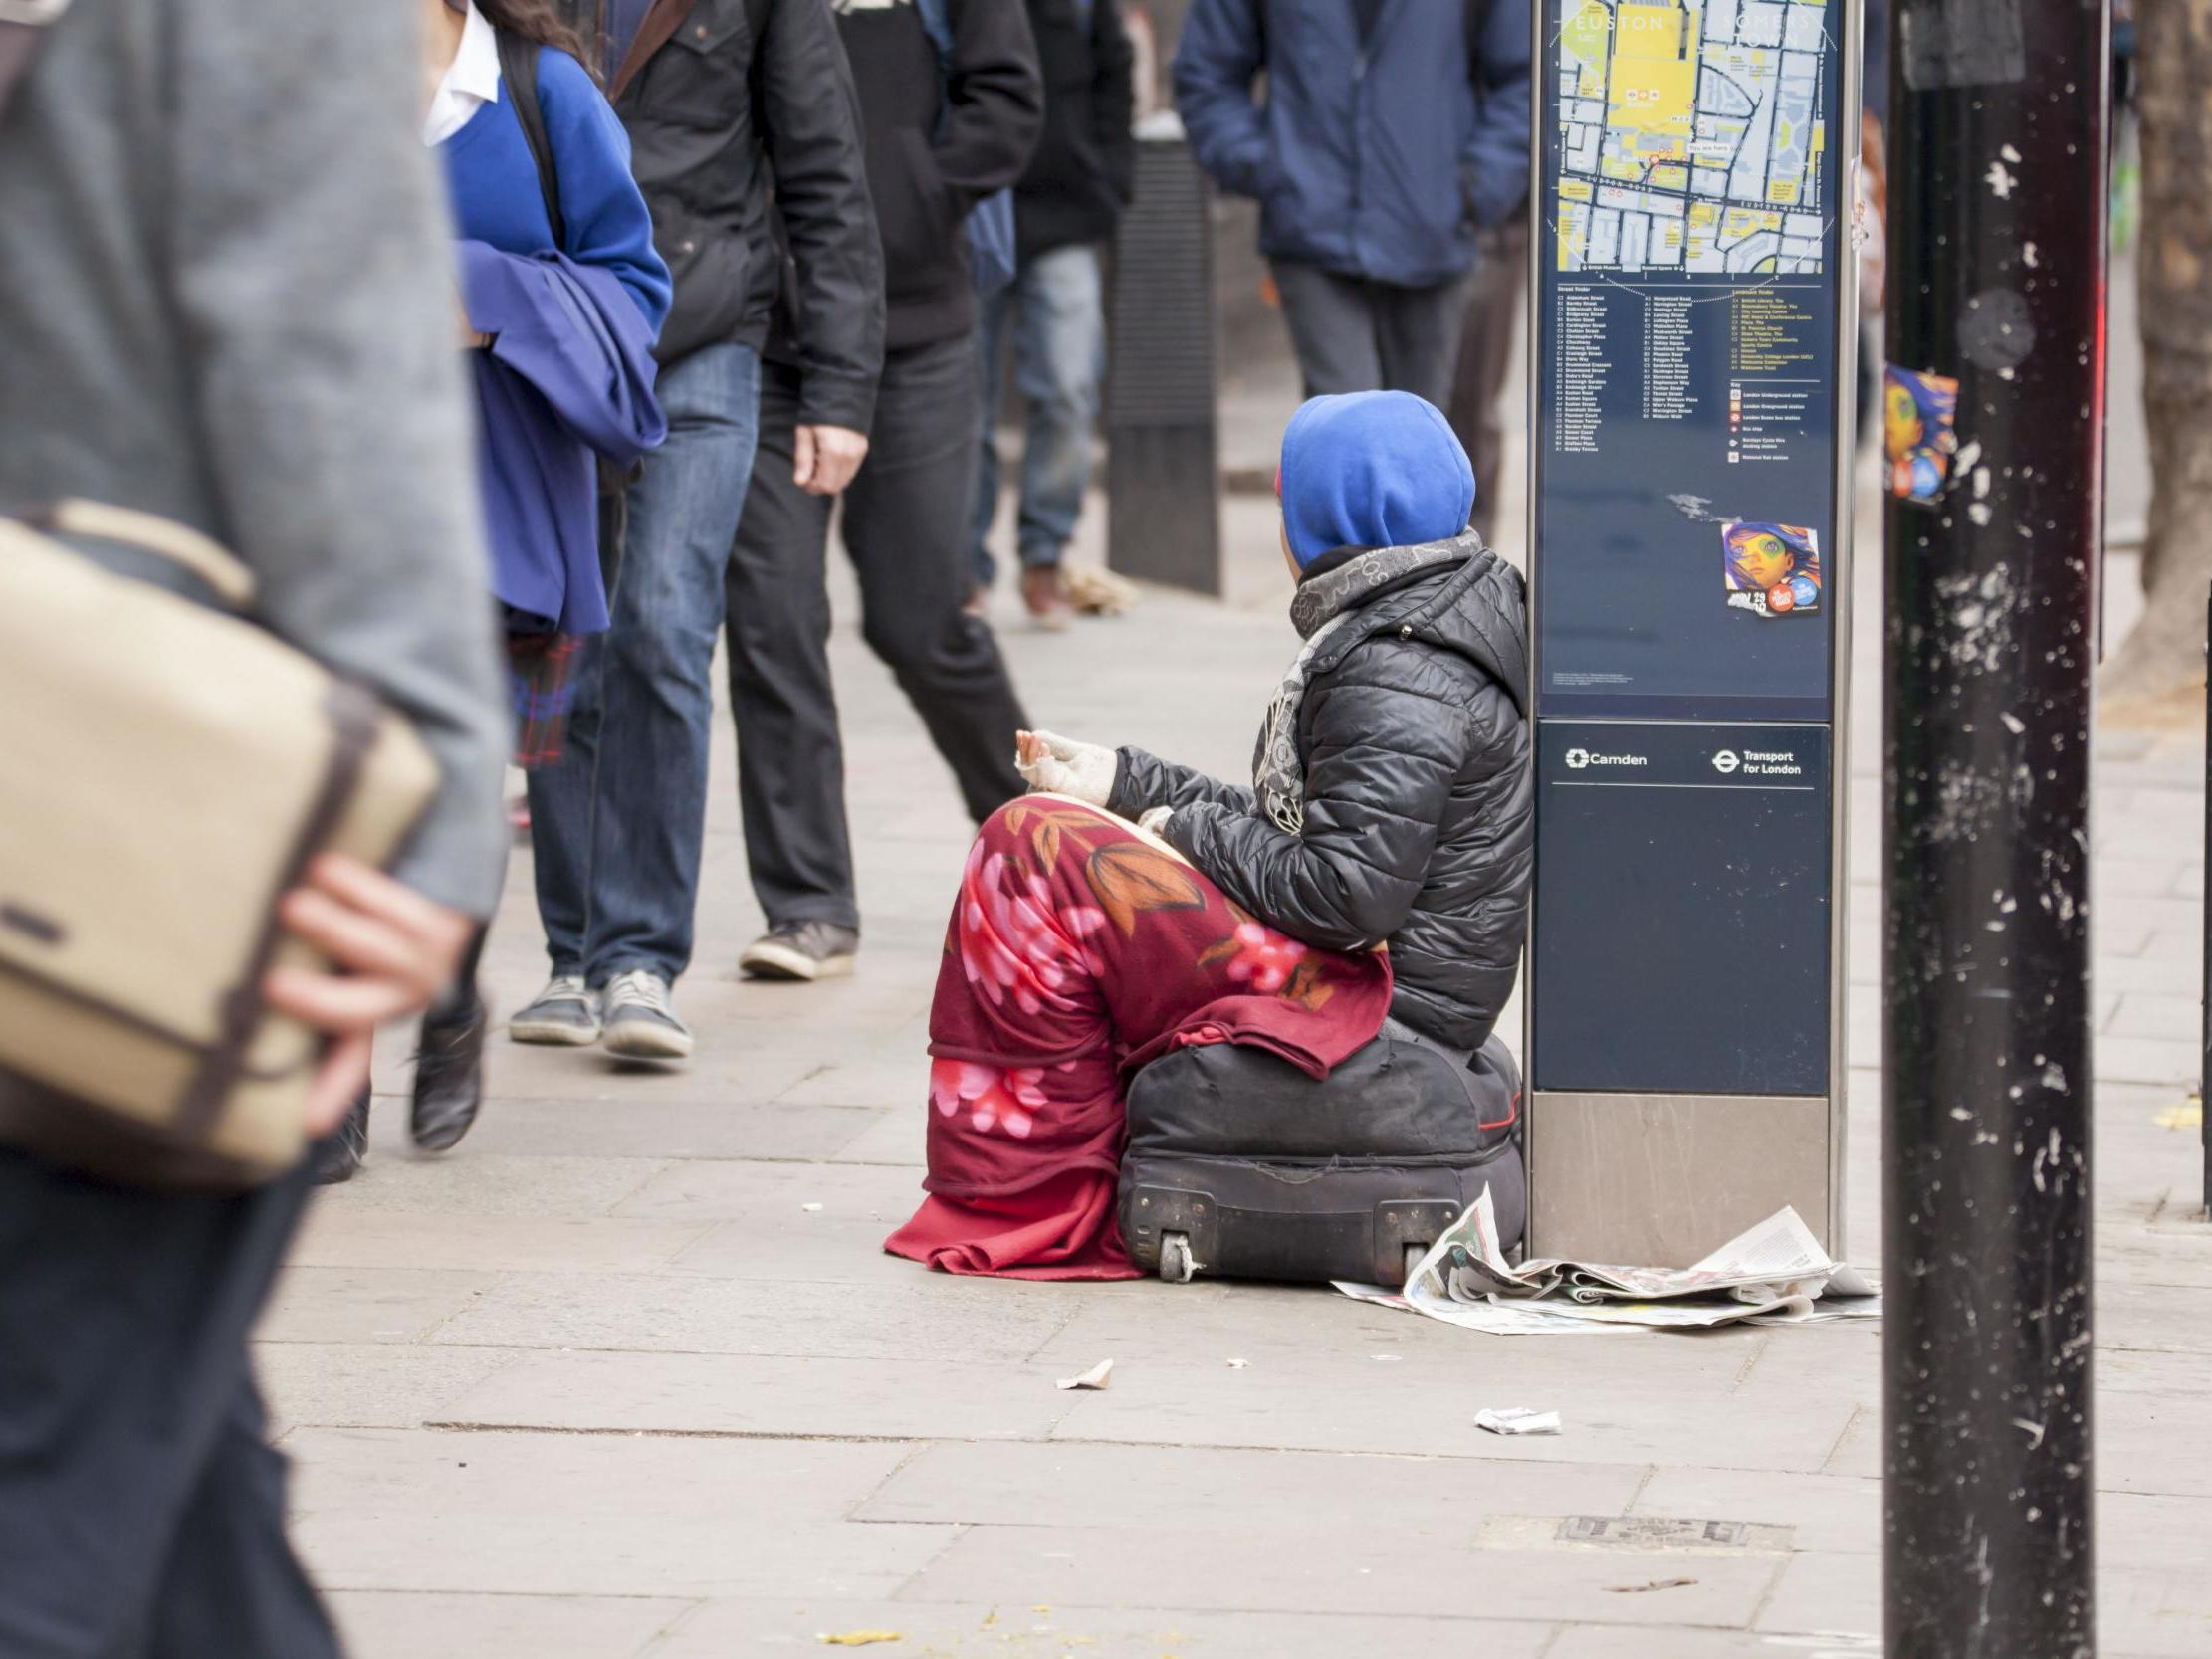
(619, 821)
(1057, 308)
(141, 1508)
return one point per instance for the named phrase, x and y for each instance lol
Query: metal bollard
(1999, 136)
(1163, 470)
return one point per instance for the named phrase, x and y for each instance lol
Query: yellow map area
(1651, 91)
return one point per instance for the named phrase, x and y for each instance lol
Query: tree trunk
(2165, 656)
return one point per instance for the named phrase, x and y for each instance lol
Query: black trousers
(1485, 353)
(141, 1508)
(909, 519)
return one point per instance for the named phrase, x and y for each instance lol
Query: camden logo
(1581, 759)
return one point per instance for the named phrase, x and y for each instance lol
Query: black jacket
(1084, 168)
(939, 139)
(1415, 734)
(717, 120)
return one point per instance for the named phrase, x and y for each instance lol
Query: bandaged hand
(1062, 767)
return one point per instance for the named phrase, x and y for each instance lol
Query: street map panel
(1691, 136)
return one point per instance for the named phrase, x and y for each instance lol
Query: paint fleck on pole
(1993, 423)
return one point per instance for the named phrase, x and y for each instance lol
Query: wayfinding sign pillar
(1691, 364)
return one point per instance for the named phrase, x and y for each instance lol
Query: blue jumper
(496, 199)
(568, 375)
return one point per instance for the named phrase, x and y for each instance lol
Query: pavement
(626, 1376)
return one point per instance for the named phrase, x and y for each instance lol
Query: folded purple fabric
(567, 380)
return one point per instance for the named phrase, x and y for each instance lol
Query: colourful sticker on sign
(1771, 569)
(1919, 432)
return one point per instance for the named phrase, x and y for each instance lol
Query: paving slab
(768, 1394)
(369, 1385)
(1826, 1590)
(1590, 1641)
(894, 1137)
(723, 1630)
(495, 1243)
(475, 1627)
(1327, 1568)
(927, 1316)
(621, 1127)
(2159, 1615)
(769, 1194)
(1138, 1487)
(1610, 1419)
(1825, 1513)
(473, 1181)
(599, 1515)
(367, 1304)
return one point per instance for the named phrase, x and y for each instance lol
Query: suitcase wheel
(1175, 1265)
(1414, 1253)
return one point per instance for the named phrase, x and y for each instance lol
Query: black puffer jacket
(1415, 735)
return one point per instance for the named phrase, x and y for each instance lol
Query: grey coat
(225, 296)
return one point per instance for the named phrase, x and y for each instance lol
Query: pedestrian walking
(1392, 132)
(1066, 206)
(951, 105)
(731, 105)
(558, 324)
(1139, 905)
(1478, 391)
(226, 287)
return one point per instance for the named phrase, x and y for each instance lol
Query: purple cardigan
(568, 378)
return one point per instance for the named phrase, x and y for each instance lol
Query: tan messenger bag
(167, 771)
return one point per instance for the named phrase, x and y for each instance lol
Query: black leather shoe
(449, 1075)
(338, 1156)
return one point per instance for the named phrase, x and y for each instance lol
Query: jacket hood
(1473, 603)
(1371, 470)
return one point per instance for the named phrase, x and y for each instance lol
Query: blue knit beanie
(1371, 470)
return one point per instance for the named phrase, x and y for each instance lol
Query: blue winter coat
(1373, 159)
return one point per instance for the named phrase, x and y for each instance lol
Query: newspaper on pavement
(1776, 1273)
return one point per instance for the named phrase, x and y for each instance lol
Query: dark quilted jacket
(1416, 739)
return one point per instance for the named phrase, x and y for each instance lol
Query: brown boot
(1045, 596)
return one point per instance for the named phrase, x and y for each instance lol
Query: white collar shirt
(471, 80)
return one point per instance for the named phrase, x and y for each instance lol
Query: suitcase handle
(220, 569)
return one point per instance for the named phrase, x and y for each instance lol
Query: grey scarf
(1322, 605)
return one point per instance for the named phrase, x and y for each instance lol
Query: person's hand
(391, 950)
(1154, 820)
(824, 458)
(1062, 767)
(472, 337)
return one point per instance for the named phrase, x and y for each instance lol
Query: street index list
(1689, 396)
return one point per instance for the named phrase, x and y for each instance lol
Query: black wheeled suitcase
(1240, 1166)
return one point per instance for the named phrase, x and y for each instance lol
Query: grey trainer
(641, 1022)
(565, 1014)
(802, 950)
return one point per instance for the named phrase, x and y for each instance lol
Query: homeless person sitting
(1390, 807)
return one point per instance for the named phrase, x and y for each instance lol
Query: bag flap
(159, 765)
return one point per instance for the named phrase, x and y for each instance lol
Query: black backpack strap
(755, 79)
(518, 68)
(1478, 25)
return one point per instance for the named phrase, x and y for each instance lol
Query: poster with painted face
(1920, 431)
(1772, 570)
